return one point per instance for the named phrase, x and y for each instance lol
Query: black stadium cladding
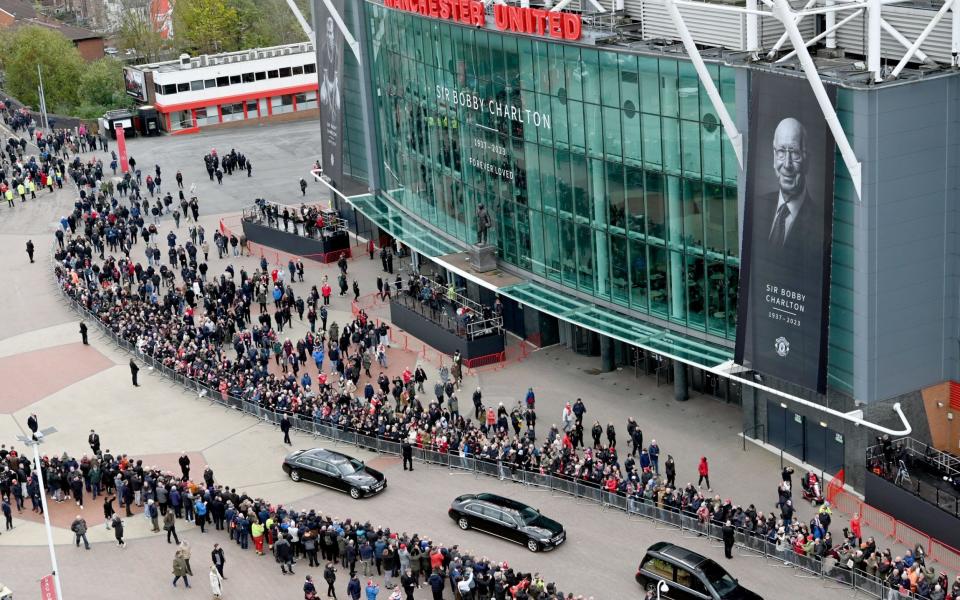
(787, 234)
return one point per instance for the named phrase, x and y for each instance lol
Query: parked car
(507, 519)
(688, 575)
(334, 470)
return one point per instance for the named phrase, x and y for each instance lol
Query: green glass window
(608, 172)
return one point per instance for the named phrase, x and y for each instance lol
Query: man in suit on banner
(788, 257)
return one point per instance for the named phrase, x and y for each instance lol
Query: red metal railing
(936, 550)
(497, 358)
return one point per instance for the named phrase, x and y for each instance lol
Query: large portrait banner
(787, 233)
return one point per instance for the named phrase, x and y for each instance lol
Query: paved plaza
(45, 370)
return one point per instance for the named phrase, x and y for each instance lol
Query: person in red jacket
(704, 469)
(325, 291)
(855, 528)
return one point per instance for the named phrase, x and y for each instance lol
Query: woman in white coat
(216, 582)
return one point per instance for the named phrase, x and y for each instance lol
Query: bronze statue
(483, 224)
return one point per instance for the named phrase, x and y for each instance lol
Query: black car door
(474, 515)
(491, 520)
(324, 473)
(308, 469)
(336, 478)
(511, 527)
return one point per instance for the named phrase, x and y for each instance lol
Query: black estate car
(507, 519)
(334, 470)
(688, 575)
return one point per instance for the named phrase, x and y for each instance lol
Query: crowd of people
(187, 318)
(233, 161)
(407, 562)
(310, 221)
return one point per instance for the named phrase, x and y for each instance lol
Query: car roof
(682, 556)
(501, 501)
(328, 455)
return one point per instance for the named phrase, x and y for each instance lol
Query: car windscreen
(350, 467)
(528, 515)
(724, 584)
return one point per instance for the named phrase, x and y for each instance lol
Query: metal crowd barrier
(746, 542)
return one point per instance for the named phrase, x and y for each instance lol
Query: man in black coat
(218, 559)
(134, 369)
(285, 428)
(83, 333)
(407, 450)
(727, 531)
(184, 466)
(94, 440)
(33, 424)
(284, 553)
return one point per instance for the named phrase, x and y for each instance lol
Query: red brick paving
(28, 377)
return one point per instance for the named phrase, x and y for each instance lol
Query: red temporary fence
(890, 527)
(910, 537)
(497, 358)
(878, 519)
(944, 554)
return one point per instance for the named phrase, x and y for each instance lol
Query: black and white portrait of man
(787, 234)
(329, 69)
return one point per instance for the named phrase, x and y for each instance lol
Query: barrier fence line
(890, 527)
(583, 491)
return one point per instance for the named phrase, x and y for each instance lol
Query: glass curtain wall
(606, 172)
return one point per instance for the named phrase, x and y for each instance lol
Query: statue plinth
(483, 258)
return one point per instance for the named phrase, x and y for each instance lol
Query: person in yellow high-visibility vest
(22, 192)
(9, 195)
(33, 188)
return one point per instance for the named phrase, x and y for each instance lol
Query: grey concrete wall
(905, 238)
(856, 438)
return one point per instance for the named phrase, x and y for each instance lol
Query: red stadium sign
(514, 19)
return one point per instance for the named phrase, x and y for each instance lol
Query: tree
(101, 88)
(138, 31)
(206, 26)
(27, 47)
(266, 23)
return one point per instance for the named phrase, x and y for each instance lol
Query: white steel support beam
(736, 138)
(873, 39)
(311, 35)
(753, 27)
(903, 40)
(825, 33)
(831, 21)
(922, 38)
(955, 34)
(703, 6)
(783, 12)
(855, 416)
(784, 37)
(563, 4)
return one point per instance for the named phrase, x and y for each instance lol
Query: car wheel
(533, 546)
(295, 475)
(650, 587)
(354, 493)
(463, 523)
